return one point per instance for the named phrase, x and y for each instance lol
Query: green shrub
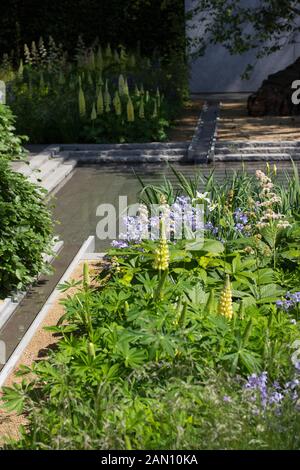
(26, 227)
(10, 144)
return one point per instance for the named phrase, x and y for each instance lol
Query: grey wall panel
(218, 71)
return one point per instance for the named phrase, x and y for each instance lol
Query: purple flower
(297, 365)
(258, 383)
(290, 301)
(183, 200)
(276, 385)
(227, 399)
(119, 244)
(240, 217)
(295, 297)
(275, 398)
(239, 227)
(211, 228)
(292, 384)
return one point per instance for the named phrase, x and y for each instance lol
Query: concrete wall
(217, 71)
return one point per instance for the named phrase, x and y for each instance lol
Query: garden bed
(96, 95)
(182, 344)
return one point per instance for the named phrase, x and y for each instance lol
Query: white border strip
(87, 247)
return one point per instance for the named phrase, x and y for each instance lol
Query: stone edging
(205, 134)
(86, 249)
(11, 303)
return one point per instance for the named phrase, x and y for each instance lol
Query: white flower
(264, 179)
(261, 225)
(212, 207)
(202, 197)
(284, 224)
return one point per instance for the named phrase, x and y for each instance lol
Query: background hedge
(158, 24)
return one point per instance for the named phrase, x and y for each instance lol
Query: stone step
(254, 157)
(253, 143)
(258, 150)
(130, 158)
(33, 164)
(38, 176)
(126, 152)
(56, 177)
(137, 146)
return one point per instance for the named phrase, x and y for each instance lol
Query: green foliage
(98, 95)
(146, 359)
(10, 144)
(26, 227)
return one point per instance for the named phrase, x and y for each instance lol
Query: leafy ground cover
(182, 344)
(26, 226)
(97, 95)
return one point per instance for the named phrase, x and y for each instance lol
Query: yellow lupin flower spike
(81, 102)
(126, 88)
(121, 85)
(117, 104)
(130, 110)
(162, 257)
(225, 303)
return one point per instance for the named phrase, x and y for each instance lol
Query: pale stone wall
(218, 71)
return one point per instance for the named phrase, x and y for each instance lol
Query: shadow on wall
(218, 71)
